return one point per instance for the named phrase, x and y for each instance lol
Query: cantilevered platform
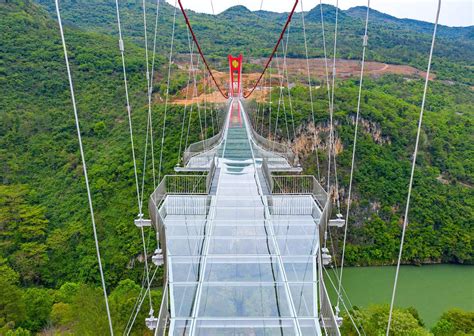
(241, 255)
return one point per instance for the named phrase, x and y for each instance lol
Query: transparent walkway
(241, 262)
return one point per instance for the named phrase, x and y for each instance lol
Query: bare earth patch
(297, 73)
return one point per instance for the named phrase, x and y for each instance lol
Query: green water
(430, 289)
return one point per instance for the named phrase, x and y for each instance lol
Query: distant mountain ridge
(253, 33)
(426, 27)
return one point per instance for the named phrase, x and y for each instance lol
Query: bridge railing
(327, 318)
(202, 146)
(163, 315)
(299, 184)
(273, 146)
(175, 185)
(206, 144)
(269, 145)
(267, 174)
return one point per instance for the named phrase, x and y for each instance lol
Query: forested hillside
(48, 268)
(46, 237)
(238, 30)
(442, 208)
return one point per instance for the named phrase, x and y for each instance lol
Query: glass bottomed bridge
(241, 247)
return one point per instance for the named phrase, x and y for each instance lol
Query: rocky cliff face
(310, 137)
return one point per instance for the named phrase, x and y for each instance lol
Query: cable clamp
(141, 222)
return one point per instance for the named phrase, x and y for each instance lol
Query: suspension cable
(191, 65)
(328, 276)
(281, 100)
(285, 73)
(274, 50)
(328, 87)
(310, 88)
(413, 164)
(167, 93)
(150, 91)
(224, 94)
(137, 301)
(84, 166)
(329, 104)
(149, 134)
(349, 196)
(332, 150)
(270, 101)
(148, 289)
(127, 99)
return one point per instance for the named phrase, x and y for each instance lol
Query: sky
(453, 12)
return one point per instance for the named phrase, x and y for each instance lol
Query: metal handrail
(267, 174)
(210, 175)
(163, 315)
(204, 145)
(273, 146)
(328, 319)
(299, 184)
(175, 185)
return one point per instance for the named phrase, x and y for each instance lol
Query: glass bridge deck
(241, 262)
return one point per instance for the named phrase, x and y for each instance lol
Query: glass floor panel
(229, 300)
(183, 299)
(238, 230)
(237, 327)
(187, 246)
(249, 269)
(263, 327)
(242, 246)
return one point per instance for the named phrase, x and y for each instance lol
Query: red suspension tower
(235, 66)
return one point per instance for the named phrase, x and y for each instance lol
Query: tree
(89, 310)
(18, 332)
(374, 321)
(23, 233)
(38, 308)
(455, 322)
(12, 305)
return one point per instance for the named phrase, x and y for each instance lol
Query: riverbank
(431, 289)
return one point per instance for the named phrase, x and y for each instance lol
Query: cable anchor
(325, 256)
(151, 322)
(337, 222)
(140, 222)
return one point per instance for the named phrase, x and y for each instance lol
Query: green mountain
(48, 268)
(238, 30)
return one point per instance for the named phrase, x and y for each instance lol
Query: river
(431, 289)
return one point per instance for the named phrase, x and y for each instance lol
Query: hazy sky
(453, 12)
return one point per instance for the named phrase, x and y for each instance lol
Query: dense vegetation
(237, 30)
(440, 227)
(48, 268)
(408, 322)
(46, 236)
